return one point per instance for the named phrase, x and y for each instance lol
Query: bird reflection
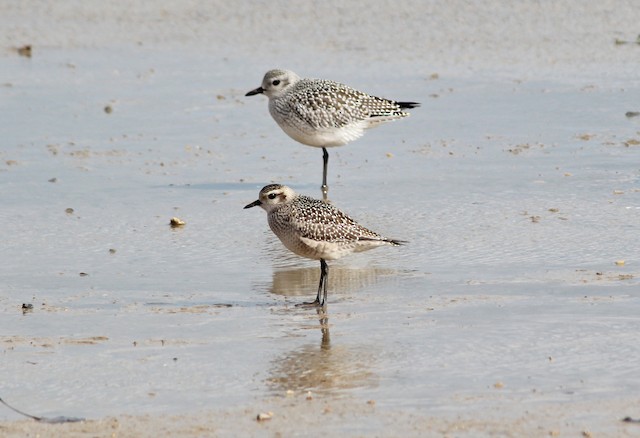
(323, 369)
(342, 280)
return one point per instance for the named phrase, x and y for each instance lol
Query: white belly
(324, 137)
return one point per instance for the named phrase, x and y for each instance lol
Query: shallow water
(517, 198)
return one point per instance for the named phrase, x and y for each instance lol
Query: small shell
(25, 51)
(176, 222)
(263, 416)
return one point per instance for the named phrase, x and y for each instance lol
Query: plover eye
(276, 82)
(272, 196)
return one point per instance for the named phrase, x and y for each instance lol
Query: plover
(315, 229)
(324, 113)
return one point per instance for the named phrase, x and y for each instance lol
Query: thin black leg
(321, 298)
(325, 187)
(324, 278)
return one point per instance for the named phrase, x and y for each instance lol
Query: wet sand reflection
(342, 280)
(324, 369)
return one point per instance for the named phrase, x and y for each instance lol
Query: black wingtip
(408, 105)
(397, 242)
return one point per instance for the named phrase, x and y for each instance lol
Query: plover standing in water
(324, 113)
(315, 229)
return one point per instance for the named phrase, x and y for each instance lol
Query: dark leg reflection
(327, 370)
(324, 328)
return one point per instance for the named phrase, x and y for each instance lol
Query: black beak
(258, 90)
(253, 204)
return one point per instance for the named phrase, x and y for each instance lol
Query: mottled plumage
(324, 113)
(315, 229)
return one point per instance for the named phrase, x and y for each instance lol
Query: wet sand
(513, 311)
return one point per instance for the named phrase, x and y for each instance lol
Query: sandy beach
(513, 311)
